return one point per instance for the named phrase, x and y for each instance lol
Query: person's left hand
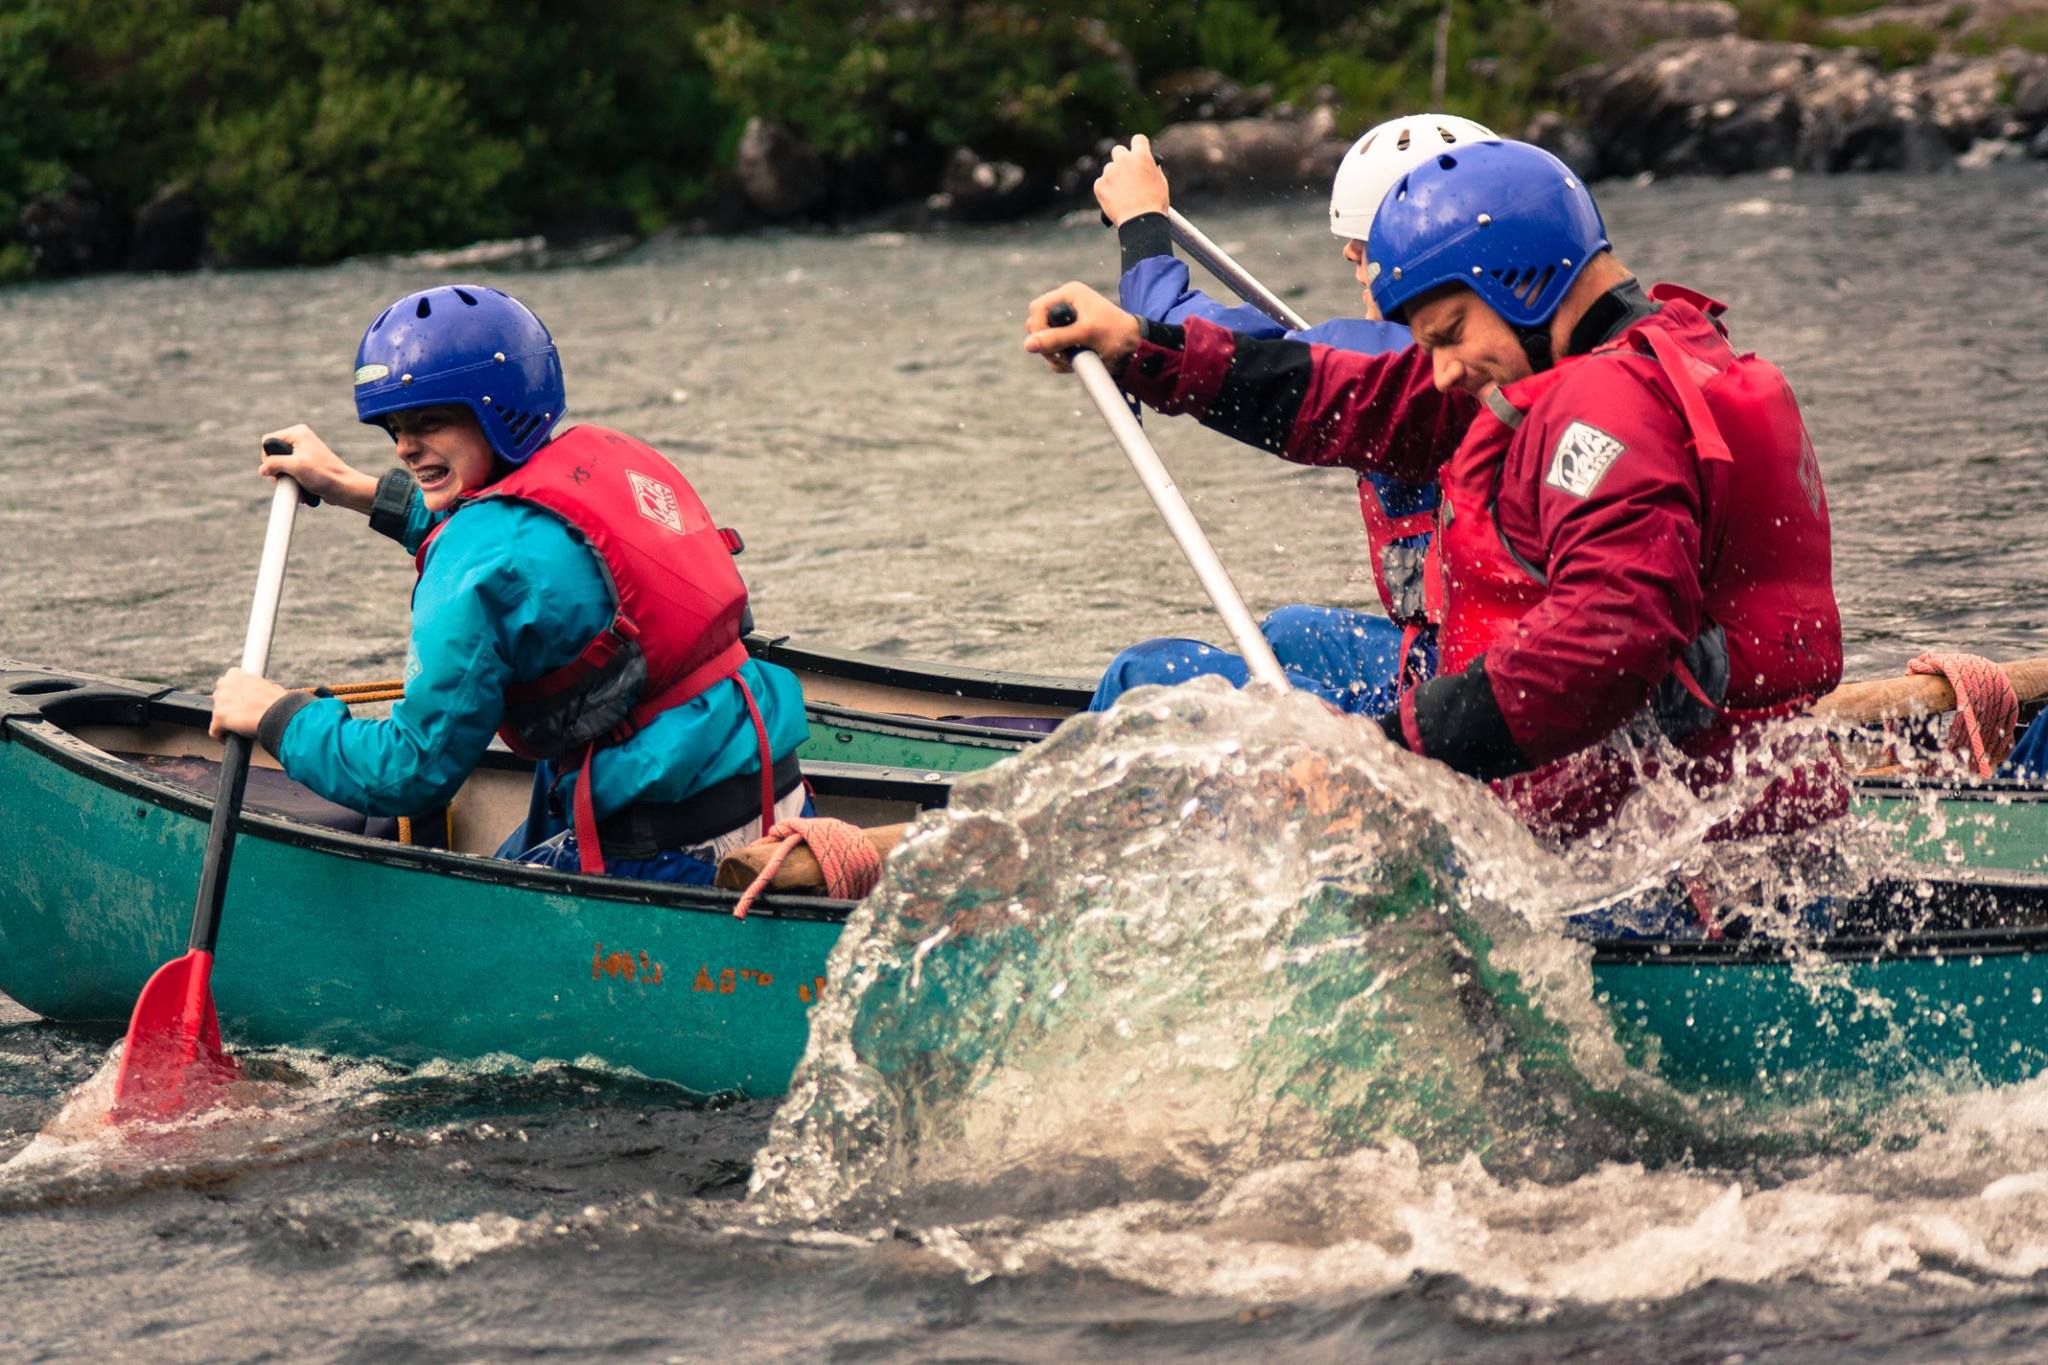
(239, 701)
(1131, 183)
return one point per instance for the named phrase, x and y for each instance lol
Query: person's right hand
(318, 469)
(1131, 183)
(1099, 326)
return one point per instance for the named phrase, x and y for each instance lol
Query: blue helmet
(468, 344)
(1507, 220)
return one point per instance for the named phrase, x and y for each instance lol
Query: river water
(908, 481)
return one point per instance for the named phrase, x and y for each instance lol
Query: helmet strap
(1536, 345)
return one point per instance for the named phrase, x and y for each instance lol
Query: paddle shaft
(1224, 267)
(1187, 532)
(234, 766)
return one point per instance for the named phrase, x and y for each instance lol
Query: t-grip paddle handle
(277, 445)
(1187, 532)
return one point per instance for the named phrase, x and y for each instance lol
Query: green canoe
(339, 940)
(870, 708)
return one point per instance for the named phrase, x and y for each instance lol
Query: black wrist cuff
(1462, 727)
(1144, 237)
(1170, 335)
(390, 510)
(270, 730)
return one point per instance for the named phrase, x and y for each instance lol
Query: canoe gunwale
(48, 738)
(972, 684)
(38, 718)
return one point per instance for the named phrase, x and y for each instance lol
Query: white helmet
(1385, 154)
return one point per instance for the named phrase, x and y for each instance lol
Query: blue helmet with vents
(467, 344)
(1507, 220)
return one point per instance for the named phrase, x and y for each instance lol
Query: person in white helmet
(1353, 659)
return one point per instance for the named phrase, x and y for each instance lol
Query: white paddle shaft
(1187, 532)
(1220, 264)
(277, 543)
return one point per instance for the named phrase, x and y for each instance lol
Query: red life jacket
(1770, 593)
(677, 605)
(1401, 590)
(1738, 409)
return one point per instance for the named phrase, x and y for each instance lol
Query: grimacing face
(445, 450)
(1470, 346)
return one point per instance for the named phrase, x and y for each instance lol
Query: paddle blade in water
(173, 1062)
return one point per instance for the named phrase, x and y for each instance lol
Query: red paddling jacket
(1640, 530)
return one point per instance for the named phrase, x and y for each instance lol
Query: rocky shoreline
(1668, 88)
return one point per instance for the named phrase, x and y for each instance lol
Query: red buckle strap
(767, 757)
(589, 851)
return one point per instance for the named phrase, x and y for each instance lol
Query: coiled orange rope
(850, 863)
(1987, 706)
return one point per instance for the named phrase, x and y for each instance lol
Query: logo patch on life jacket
(1583, 455)
(656, 501)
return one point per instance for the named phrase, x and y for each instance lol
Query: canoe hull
(344, 944)
(356, 946)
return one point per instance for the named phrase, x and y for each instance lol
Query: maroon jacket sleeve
(1608, 491)
(1314, 405)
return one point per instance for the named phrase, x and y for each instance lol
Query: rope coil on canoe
(851, 864)
(1987, 706)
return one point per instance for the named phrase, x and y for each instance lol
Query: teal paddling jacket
(507, 595)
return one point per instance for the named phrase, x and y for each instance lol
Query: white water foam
(1220, 994)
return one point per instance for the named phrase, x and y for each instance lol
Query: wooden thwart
(800, 874)
(1910, 695)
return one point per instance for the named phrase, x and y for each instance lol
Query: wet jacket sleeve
(1608, 482)
(1314, 405)
(398, 510)
(1155, 283)
(473, 600)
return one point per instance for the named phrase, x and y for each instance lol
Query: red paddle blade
(173, 1062)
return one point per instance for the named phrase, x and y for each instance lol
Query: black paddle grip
(278, 446)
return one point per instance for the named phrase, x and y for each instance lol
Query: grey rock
(1204, 95)
(2038, 148)
(68, 231)
(1932, 15)
(1965, 96)
(2030, 101)
(1566, 141)
(1718, 106)
(1734, 105)
(781, 176)
(170, 231)
(1855, 118)
(972, 188)
(1271, 155)
(1611, 30)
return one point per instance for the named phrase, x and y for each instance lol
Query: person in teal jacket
(509, 594)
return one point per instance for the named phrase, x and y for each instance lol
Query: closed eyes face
(1470, 346)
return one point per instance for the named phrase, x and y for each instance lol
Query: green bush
(855, 80)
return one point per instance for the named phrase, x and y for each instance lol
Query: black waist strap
(645, 828)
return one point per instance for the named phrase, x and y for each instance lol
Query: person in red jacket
(1635, 536)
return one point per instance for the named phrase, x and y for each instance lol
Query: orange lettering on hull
(624, 966)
